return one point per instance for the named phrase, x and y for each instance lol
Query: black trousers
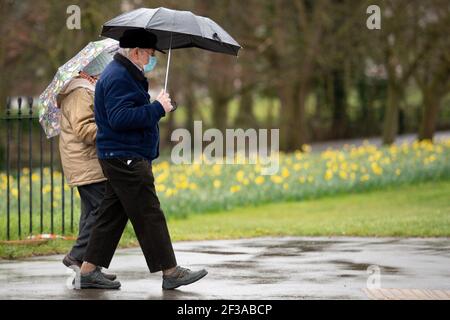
(91, 196)
(130, 194)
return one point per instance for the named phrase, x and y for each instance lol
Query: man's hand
(165, 101)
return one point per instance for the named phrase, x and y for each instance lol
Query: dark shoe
(109, 276)
(72, 263)
(97, 280)
(181, 277)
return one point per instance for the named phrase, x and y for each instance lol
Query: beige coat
(78, 132)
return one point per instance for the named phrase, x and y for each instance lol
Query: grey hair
(125, 51)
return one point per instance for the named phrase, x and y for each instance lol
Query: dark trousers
(91, 196)
(130, 194)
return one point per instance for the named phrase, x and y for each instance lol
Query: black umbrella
(175, 30)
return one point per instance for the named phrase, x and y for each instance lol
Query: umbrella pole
(168, 63)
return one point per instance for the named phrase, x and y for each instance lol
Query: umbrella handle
(168, 63)
(174, 103)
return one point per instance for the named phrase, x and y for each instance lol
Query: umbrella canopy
(174, 29)
(49, 113)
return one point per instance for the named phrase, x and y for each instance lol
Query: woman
(78, 153)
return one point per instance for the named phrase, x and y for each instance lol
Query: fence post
(30, 159)
(51, 187)
(41, 187)
(71, 209)
(63, 204)
(8, 186)
(19, 147)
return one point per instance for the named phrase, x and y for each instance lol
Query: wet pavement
(262, 268)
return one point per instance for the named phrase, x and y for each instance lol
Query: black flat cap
(139, 38)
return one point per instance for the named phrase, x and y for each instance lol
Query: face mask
(150, 65)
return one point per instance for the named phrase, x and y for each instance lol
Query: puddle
(349, 265)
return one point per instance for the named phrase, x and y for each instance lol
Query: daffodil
(240, 175)
(376, 168)
(328, 175)
(365, 177)
(276, 179)
(285, 173)
(259, 180)
(235, 189)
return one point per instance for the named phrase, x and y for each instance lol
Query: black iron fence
(35, 198)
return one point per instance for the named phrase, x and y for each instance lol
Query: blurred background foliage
(311, 68)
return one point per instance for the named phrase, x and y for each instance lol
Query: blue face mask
(150, 65)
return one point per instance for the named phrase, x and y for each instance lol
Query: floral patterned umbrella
(49, 113)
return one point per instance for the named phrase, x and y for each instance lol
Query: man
(77, 149)
(127, 142)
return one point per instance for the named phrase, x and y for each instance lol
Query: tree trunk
(293, 112)
(220, 111)
(299, 120)
(429, 116)
(366, 116)
(245, 117)
(190, 107)
(391, 114)
(220, 89)
(338, 126)
(288, 104)
(271, 116)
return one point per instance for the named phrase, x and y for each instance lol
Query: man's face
(143, 55)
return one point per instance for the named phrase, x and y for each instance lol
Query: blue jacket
(127, 123)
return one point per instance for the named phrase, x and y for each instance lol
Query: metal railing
(31, 164)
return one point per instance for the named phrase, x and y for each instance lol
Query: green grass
(420, 210)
